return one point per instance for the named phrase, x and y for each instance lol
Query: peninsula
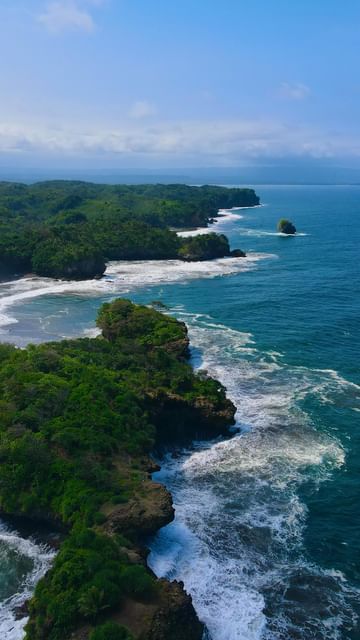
(69, 230)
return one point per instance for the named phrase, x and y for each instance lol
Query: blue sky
(134, 83)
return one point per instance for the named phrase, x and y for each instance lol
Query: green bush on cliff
(136, 581)
(90, 576)
(121, 319)
(110, 631)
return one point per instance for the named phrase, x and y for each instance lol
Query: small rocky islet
(286, 226)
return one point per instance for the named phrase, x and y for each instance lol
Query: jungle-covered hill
(67, 229)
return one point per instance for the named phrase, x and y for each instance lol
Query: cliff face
(175, 618)
(144, 514)
(181, 420)
(83, 269)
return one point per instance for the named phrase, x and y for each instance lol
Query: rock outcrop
(175, 619)
(144, 514)
(84, 269)
(237, 253)
(287, 227)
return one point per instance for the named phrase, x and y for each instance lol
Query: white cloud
(65, 15)
(297, 91)
(142, 109)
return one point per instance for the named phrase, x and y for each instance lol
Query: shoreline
(223, 215)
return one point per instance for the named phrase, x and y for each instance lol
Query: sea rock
(21, 611)
(214, 420)
(237, 253)
(285, 226)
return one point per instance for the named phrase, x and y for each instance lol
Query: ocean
(266, 534)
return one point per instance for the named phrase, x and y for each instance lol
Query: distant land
(279, 174)
(70, 229)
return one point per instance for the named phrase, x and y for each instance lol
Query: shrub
(110, 631)
(136, 581)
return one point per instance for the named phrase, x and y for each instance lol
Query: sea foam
(120, 278)
(36, 560)
(237, 538)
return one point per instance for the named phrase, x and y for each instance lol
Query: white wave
(6, 319)
(237, 538)
(224, 216)
(93, 332)
(122, 277)
(260, 233)
(41, 558)
(199, 231)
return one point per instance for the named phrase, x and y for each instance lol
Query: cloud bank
(223, 141)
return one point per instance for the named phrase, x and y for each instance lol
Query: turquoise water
(266, 535)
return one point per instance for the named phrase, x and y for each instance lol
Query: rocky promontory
(80, 422)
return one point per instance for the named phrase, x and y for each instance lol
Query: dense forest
(69, 230)
(79, 419)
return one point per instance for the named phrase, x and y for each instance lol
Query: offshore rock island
(80, 419)
(70, 230)
(286, 226)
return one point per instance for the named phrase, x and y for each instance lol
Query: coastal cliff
(80, 419)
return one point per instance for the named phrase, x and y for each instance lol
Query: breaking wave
(120, 278)
(22, 563)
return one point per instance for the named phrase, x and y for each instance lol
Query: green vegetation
(285, 226)
(70, 229)
(110, 631)
(204, 247)
(78, 419)
(90, 576)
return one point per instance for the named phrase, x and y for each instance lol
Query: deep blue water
(266, 535)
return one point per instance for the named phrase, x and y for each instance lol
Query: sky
(190, 83)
